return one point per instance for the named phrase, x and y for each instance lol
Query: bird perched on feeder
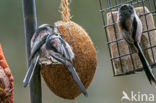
(131, 28)
(66, 56)
(48, 46)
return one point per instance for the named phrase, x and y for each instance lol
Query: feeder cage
(123, 60)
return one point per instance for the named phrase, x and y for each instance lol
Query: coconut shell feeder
(123, 61)
(57, 76)
(6, 81)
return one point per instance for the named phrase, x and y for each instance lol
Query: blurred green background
(104, 88)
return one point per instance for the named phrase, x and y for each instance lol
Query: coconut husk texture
(6, 81)
(126, 61)
(57, 77)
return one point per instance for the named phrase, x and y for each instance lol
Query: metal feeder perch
(122, 59)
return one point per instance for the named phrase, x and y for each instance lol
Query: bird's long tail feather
(77, 79)
(146, 65)
(31, 70)
(72, 70)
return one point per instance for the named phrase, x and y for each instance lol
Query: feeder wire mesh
(112, 6)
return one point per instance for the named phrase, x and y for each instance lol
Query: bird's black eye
(61, 36)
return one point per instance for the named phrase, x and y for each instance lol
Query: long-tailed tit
(131, 28)
(48, 44)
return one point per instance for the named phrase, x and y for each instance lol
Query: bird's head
(126, 10)
(53, 41)
(42, 30)
(44, 27)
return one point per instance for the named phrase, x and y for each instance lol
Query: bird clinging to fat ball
(77, 50)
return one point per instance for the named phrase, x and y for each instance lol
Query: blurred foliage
(104, 88)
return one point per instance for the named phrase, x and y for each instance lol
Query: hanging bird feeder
(57, 76)
(123, 61)
(6, 81)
